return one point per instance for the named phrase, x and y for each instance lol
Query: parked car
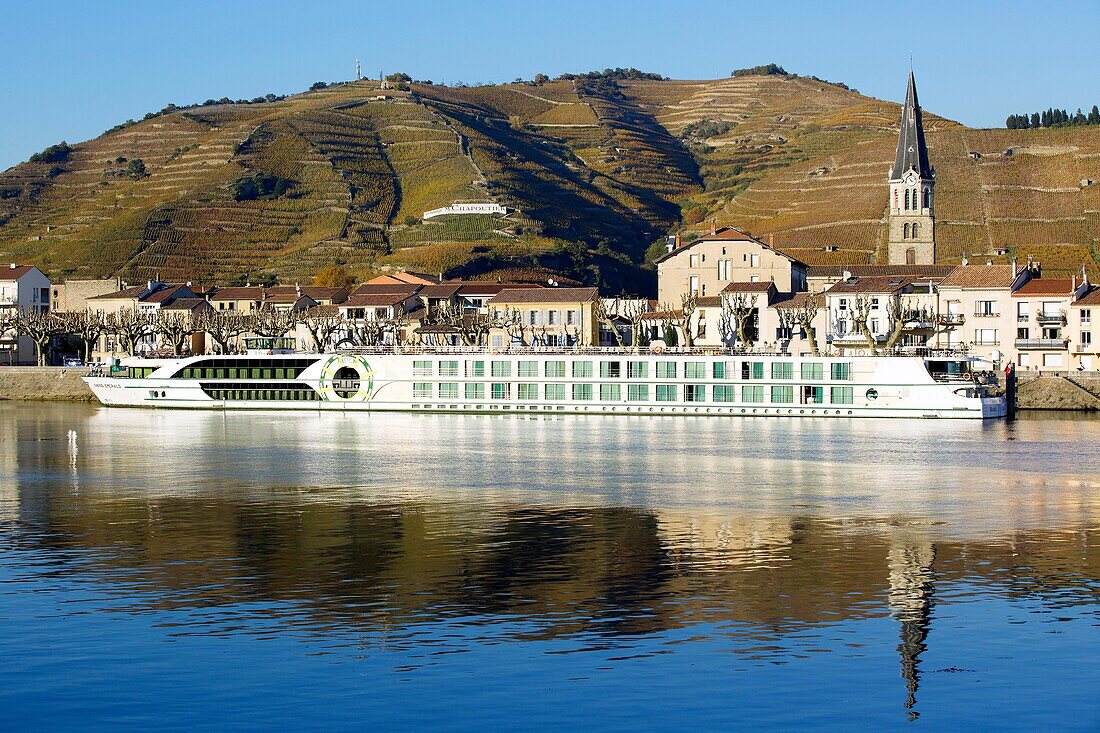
(72, 361)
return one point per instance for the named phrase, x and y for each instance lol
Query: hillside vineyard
(589, 175)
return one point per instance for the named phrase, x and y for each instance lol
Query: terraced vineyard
(612, 165)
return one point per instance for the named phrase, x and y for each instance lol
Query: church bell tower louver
(912, 179)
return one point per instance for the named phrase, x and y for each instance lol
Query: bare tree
(88, 326)
(739, 318)
(394, 324)
(174, 328)
(272, 322)
(222, 327)
(40, 327)
(322, 325)
(802, 315)
(472, 328)
(131, 326)
(860, 313)
(607, 316)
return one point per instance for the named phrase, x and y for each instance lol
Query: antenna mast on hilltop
(358, 75)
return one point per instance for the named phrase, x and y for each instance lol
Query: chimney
(12, 266)
(965, 261)
(1015, 266)
(713, 226)
(847, 275)
(148, 284)
(989, 263)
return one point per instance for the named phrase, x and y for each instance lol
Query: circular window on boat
(872, 394)
(346, 381)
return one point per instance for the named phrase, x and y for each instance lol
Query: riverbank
(1064, 392)
(44, 383)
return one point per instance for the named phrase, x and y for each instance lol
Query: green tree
(1094, 115)
(136, 168)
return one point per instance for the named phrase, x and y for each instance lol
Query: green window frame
(422, 389)
(611, 369)
(813, 395)
(724, 393)
(527, 369)
(527, 391)
(666, 370)
(448, 368)
(637, 392)
(502, 368)
(782, 395)
(422, 368)
(582, 369)
(448, 391)
(475, 391)
(813, 370)
(695, 370)
(555, 369)
(718, 370)
(666, 392)
(752, 370)
(840, 395)
(695, 393)
(637, 370)
(782, 370)
(554, 392)
(611, 393)
(840, 370)
(501, 391)
(475, 369)
(752, 393)
(582, 391)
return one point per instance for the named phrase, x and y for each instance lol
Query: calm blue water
(179, 570)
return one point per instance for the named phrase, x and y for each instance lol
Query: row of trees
(1053, 118)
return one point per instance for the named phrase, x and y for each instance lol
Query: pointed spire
(912, 152)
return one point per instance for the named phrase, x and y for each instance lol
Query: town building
(149, 298)
(73, 295)
(545, 317)
(706, 265)
(912, 181)
(1082, 327)
(975, 309)
(22, 288)
(1041, 307)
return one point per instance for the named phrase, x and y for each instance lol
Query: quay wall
(1063, 391)
(44, 383)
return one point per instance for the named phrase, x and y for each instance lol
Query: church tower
(912, 237)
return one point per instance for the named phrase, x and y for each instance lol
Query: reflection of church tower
(911, 579)
(912, 237)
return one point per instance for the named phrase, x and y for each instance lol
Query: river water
(177, 570)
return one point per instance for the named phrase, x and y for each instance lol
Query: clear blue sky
(73, 69)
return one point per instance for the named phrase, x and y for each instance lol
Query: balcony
(986, 314)
(1051, 319)
(951, 319)
(1059, 344)
(918, 319)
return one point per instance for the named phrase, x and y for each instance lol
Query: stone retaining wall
(44, 383)
(1069, 391)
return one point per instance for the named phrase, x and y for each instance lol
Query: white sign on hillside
(467, 209)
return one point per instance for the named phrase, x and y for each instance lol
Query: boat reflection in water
(612, 536)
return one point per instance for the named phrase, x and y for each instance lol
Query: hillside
(592, 171)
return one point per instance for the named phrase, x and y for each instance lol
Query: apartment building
(707, 265)
(22, 287)
(545, 317)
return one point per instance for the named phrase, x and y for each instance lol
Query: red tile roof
(980, 276)
(376, 288)
(14, 273)
(749, 287)
(1045, 286)
(375, 300)
(869, 285)
(1092, 297)
(914, 272)
(251, 292)
(167, 294)
(545, 295)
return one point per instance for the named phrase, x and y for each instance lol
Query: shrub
(763, 70)
(332, 276)
(317, 85)
(54, 154)
(695, 216)
(261, 186)
(411, 221)
(136, 168)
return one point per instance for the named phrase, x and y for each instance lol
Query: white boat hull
(894, 387)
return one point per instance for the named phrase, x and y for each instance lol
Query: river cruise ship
(545, 381)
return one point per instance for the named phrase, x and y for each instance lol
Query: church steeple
(912, 179)
(912, 153)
